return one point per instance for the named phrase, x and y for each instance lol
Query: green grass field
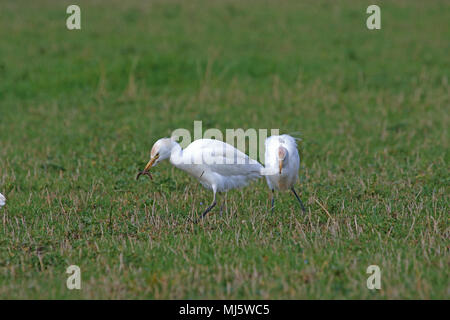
(80, 110)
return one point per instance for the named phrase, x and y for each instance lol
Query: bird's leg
(298, 198)
(213, 204)
(273, 200)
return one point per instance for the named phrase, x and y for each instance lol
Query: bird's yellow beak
(147, 167)
(151, 162)
(280, 165)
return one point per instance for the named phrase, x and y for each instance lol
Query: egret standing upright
(217, 165)
(281, 165)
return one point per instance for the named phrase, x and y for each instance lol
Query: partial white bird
(217, 165)
(282, 162)
(2, 200)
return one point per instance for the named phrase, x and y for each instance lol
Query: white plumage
(2, 200)
(282, 163)
(217, 165)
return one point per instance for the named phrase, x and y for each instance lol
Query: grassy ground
(79, 111)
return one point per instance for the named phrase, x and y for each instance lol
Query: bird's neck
(176, 155)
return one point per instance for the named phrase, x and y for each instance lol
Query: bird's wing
(222, 158)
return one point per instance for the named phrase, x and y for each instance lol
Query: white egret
(281, 165)
(2, 200)
(217, 165)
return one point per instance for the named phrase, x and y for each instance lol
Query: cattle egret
(2, 200)
(281, 165)
(217, 165)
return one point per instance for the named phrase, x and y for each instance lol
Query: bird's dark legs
(273, 200)
(213, 204)
(209, 209)
(298, 198)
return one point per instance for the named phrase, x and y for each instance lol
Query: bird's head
(282, 153)
(161, 150)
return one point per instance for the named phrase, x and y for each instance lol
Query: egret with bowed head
(217, 165)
